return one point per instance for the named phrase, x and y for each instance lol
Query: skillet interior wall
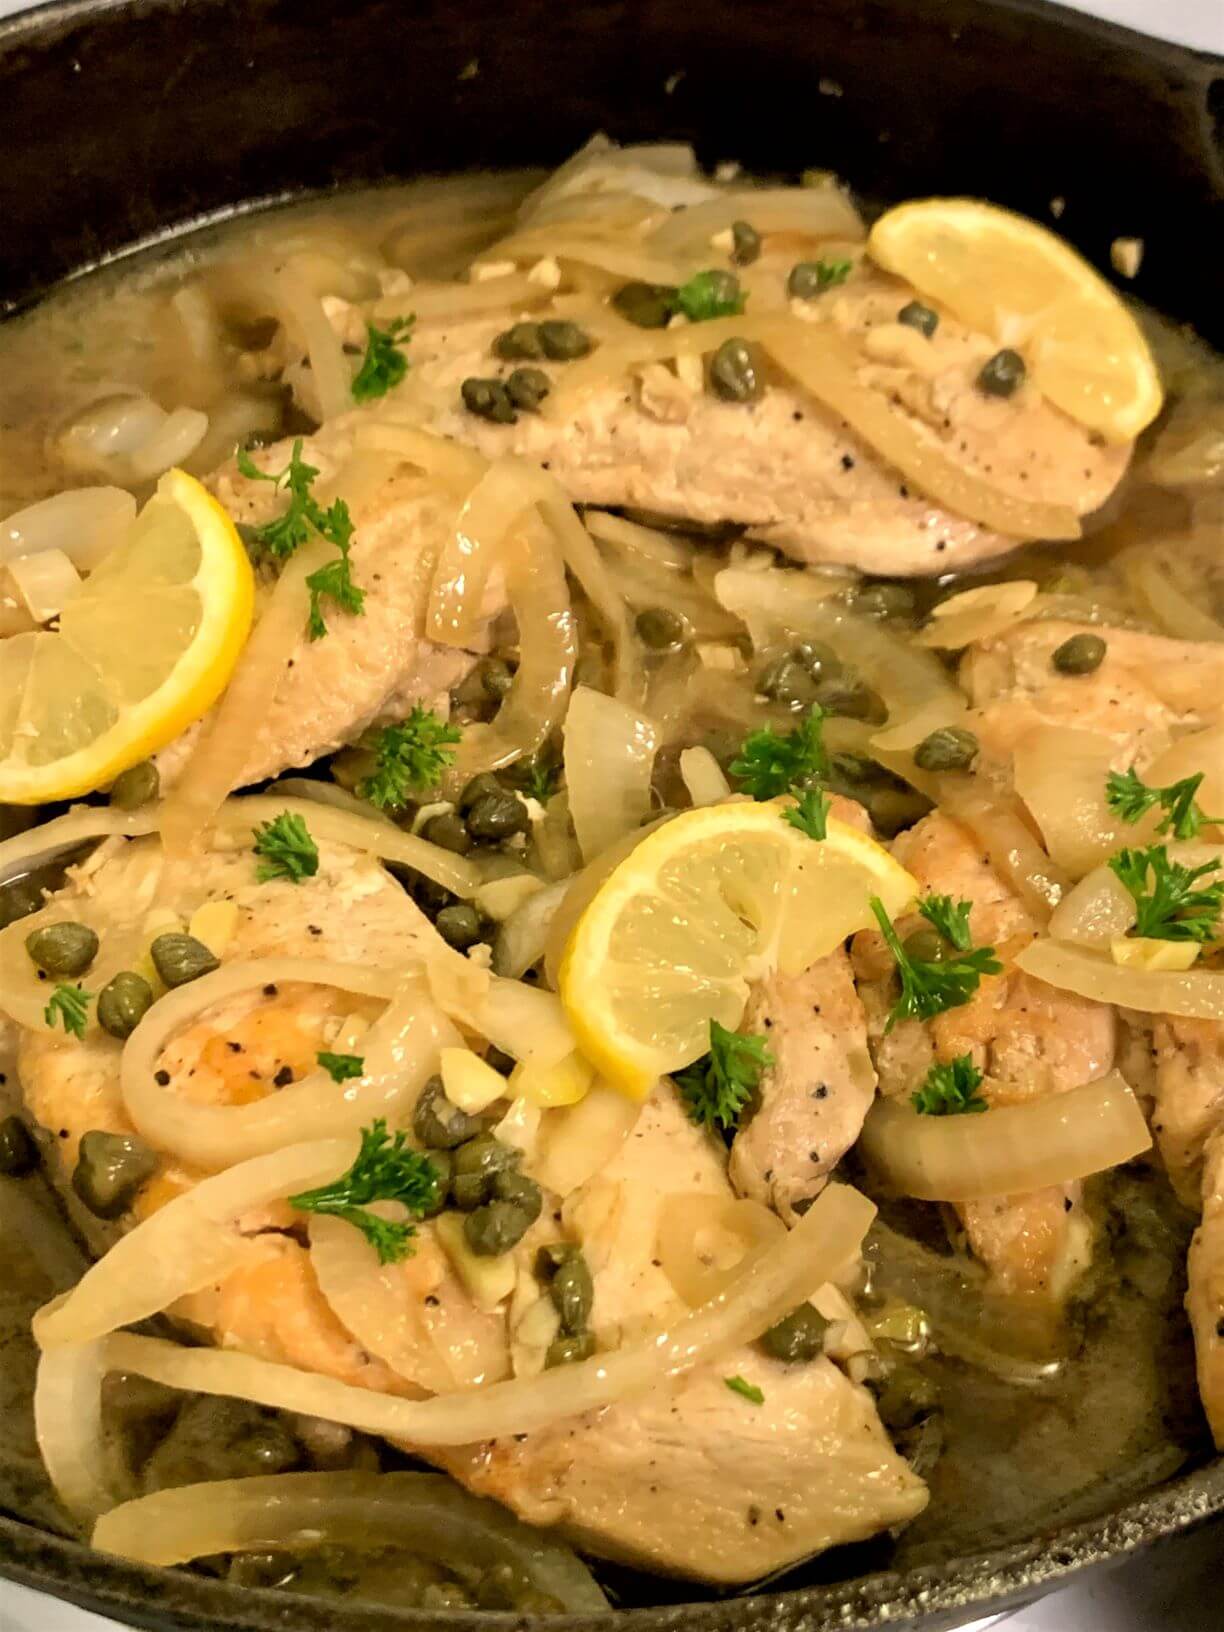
(120, 121)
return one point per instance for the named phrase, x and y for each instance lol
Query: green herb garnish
(70, 1006)
(384, 364)
(341, 1067)
(1167, 905)
(334, 579)
(928, 985)
(830, 273)
(718, 1086)
(769, 763)
(1130, 797)
(950, 1090)
(747, 1391)
(707, 295)
(541, 782)
(810, 813)
(287, 849)
(410, 759)
(385, 1170)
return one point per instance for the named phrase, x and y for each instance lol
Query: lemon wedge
(1007, 277)
(702, 905)
(144, 648)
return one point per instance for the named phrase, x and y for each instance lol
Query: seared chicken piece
(1205, 1298)
(1027, 1039)
(1189, 1097)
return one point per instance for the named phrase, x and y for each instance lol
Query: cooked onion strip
(1060, 775)
(526, 1022)
(493, 510)
(85, 522)
(302, 313)
(1194, 994)
(76, 827)
(1011, 1148)
(978, 614)
(609, 757)
(1154, 577)
(425, 1513)
(694, 1231)
(1010, 848)
(815, 212)
(771, 1284)
(703, 777)
(68, 1427)
(188, 1244)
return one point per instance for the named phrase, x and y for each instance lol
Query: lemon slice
(1011, 279)
(144, 648)
(702, 905)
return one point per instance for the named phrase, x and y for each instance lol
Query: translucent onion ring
(68, 1428)
(1193, 994)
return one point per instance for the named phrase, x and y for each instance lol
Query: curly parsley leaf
(830, 273)
(931, 985)
(717, 1087)
(1130, 797)
(541, 782)
(384, 364)
(335, 580)
(341, 1067)
(950, 1090)
(746, 1390)
(1168, 907)
(385, 1170)
(410, 758)
(287, 849)
(70, 1006)
(770, 763)
(950, 918)
(709, 294)
(810, 813)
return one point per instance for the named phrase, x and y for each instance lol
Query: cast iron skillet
(124, 121)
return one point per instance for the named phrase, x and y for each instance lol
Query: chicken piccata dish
(613, 889)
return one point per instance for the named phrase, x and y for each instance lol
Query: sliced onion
(703, 777)
(1154, 576)
(174, 441)
(189, 1243)
(86, 523)
(978, 614)
(523, 937)
(1060, 774)
(451, 302)
(1193, 994)
(68, 1427)
(815, 212)
(453, 466)
(523, 1021)
(704, 1239)
(1010, 848)
(495, 507)
(427, 1514)
(771, 1284)
(1199, 751)
(42, 844)
(45, 583)
(400, 1052)
(1098, 909)
(623, 260)
(774, 601)
(317, 792)
(578, 1141)
(1009, 1149)
(609, 757)
(303, 315)
(583, 560)
(1189, 452)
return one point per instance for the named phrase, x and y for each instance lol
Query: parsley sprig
(341, 1067)
(287, 849)
(1130, 797)
(718, 1086)
(950, 1090)
(830, 273)
(384, 364)
(745, 1389)
(707, 295)
(810, 813)
(1168, 907)
(770, 763)
(410, 758)
(929, 986)
(385, 1170)
(70, 1006)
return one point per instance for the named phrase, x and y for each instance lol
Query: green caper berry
(527, 388)
(917, 316)
(136, 786)
(893, 809)
(494, 1228)
(905, 1397)
(63, 949)
(1003, 374)
(508, 1184)
(745, 243)
(647, 305)
(573, 1292)
(564, 1351)
(1082, 654)
(443, 1165)
(123, 1002)
(797, 1336)
(478, 788)
(18, 1152)
(807, 280)
(851, 699)
(110, 1169)
(562, 341)
(519, 341)
(498, 816)
(734, 373)
(661, 630)
(460, 926)
(476, 1161)
(820, 661)
(181, 958)
(787, 682)
(439, 1124)
(884, 601)
(948, 749)
(926, 945)
(488, 399)
(448, 832)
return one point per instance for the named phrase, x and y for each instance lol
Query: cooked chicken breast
(1189, 1097)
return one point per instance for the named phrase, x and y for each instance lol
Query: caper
(893, 809)
(496, 676)
(527, 388)
(18, 1152)
(476, 1161)
(745, 243)
(917, 316)
(494, 1228)
(948, 749)
(905, 1397)
(63, 949)
(508, 1184)
(562, 341)
(496, 816)
(884, 601)
(488, 399)
(856, 768)
(123, 1002)
(1082, 654)
(1003, 374)
(448, 832)
(811, 278)
(111, 1168)
(787, 682)
(797, 1336)
(443, 1166)
(851, 699)
(661, 630)
(926, 945)
(460, 926)
(564, 1351)
(648, 305)
(735, 375)
(136, 786)
(519, 341)
(181, 958)
(572, 1291)
(477, 788)
(821, 661)
(439, 1124)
